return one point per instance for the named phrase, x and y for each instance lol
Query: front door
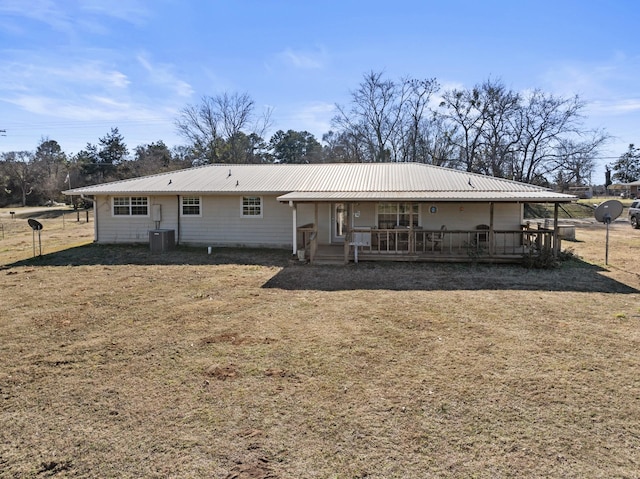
(340, 222)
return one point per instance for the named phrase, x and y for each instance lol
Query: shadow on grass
(53, 213)
(573, 275)
(96, 254)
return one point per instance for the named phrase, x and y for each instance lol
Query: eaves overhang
(426, 196)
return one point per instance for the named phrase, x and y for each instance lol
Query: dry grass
(118, 363)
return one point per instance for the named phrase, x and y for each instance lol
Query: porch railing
(415, 243)
(472, 243)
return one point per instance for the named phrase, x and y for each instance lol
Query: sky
(70, 70)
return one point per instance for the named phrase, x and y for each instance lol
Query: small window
(190, 206)
(252, 206)
(130, 206)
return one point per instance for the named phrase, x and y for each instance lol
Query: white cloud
(306, 60)
(604, 80)
(45, 11)
(73, 17)
(131, 11)
(312, 117)
(36, 73)
(87, 110)
(613, 107)
(161, 74)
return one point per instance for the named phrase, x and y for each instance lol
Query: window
(252, 206)
(130, 206)
(190, 206)
(397, 214)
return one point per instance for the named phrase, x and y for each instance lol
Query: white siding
(133, 229)
(466, 216)
(222, 224)
(368, 214)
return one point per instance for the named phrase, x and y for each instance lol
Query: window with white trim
(252, 207)
(130, 206)
(190, 206)
(391, 215)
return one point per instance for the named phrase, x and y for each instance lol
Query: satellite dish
(35, 225)
(608, 211)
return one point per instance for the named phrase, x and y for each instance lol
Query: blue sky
(71, 70)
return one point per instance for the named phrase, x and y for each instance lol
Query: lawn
(245, 364)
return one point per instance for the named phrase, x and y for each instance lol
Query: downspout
(95, 216)
(314, 234)
(294, 213)
(178, 223)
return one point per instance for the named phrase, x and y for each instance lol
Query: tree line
(532, 137)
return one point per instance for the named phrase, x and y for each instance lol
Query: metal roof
(330, 181)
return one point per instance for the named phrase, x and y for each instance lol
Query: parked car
(634, 214)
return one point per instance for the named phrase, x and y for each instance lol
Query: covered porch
(482, 242)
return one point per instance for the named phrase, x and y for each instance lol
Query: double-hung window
(130, 206)
(190, 206)
(252, 207)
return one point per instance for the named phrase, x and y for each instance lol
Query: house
(625, 190)
(633, 189)
(346, 211)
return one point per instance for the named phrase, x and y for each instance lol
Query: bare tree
(466, 110)
(199, 124)
(499, 136)
(544, 121)
(434, 145)
(575, 162)
(374, 117)
(217, 128)
(416, 117)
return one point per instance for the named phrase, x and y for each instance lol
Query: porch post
(492, 237)
(294, 210)
(347, 237)
(556, 246)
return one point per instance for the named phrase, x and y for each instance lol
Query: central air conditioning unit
(161, 241)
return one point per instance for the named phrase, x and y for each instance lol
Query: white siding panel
(466, 216)
(133, 229)
(222, 224)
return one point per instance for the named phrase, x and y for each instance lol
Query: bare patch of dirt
(256, 470)
(235, 339)
(222, 373)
